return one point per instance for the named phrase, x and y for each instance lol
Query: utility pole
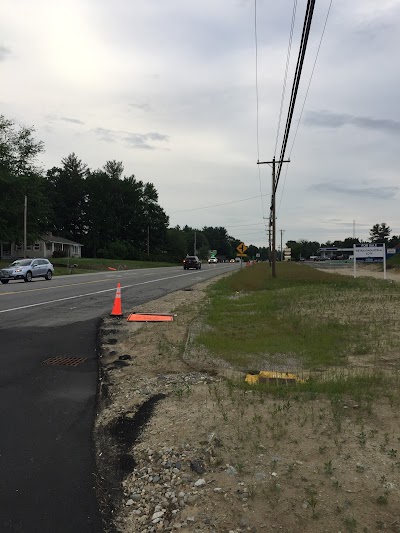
(282, 231)
(195, 243)
(272, 220)
(25, 217)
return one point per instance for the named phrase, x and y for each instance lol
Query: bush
(59, 253)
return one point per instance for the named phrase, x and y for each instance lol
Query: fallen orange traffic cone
(117, 307)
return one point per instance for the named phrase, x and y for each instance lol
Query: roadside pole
(355, 261)
(384, 260)
(25, 219)
(272, 219)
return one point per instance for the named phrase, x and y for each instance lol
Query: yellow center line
(56, 287)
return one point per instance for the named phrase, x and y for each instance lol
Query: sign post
(369, 253)
(241, 249)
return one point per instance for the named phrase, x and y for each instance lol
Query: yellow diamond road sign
(241, 248)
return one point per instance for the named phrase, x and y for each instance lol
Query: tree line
(112, 214)
(379, 233)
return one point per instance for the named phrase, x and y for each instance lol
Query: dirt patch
(371, 271)
(178, 449)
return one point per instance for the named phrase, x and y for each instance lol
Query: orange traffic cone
(117, 307)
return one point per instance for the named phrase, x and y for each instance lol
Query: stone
(200, 482)
(231, 470)
(197, 466)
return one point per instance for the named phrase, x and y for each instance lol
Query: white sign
(362, 251)
(370, 252)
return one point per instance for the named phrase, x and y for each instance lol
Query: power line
(257, 105)
(296, 82)
(281, 160)
(305, 99)
(218, 205)
(243, 225)
(286, 73)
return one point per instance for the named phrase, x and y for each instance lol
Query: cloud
(328, 119)
(4, 53)
(72, 120)
(371, 192)
(132, 140)
(105, 135)
(142, 107)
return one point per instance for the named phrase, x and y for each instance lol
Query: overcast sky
(168, 88)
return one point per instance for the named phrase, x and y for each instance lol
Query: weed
(382, 499)
(360, 468)
(328, 469)
(312, 502)
(337, 412)
(392, 453)
(290, 469)
(350, 523)
(181, 391)
(362, 439)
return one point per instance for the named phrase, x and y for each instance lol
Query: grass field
(86, 265)
(341, 333)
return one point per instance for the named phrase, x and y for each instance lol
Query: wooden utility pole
(272, 220)
(25, 219)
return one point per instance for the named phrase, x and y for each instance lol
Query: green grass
(87, 265)
(305, 318)
(362, 387)
(394, 261)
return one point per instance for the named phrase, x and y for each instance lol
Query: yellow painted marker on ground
(279, 377)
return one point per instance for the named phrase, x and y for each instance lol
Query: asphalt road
(47, 468)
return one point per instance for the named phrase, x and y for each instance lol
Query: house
(44, 247)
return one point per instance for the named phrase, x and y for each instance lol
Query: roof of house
(60, 240)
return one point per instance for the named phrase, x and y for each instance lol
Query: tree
(394, 241)
(202, 245)
(20, 176)
(123, 209)
(303, 249)
(380, 233)
(176, 243)
(67, 189)
(18, 149)
(219, 240)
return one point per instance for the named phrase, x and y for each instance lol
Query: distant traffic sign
(241, 255)
(241, 248)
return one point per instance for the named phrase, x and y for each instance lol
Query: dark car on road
(27, 269)
(191, 261)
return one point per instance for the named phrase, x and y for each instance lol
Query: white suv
(27, 269)
(212, 260)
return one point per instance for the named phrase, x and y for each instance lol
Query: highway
(47, 467)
